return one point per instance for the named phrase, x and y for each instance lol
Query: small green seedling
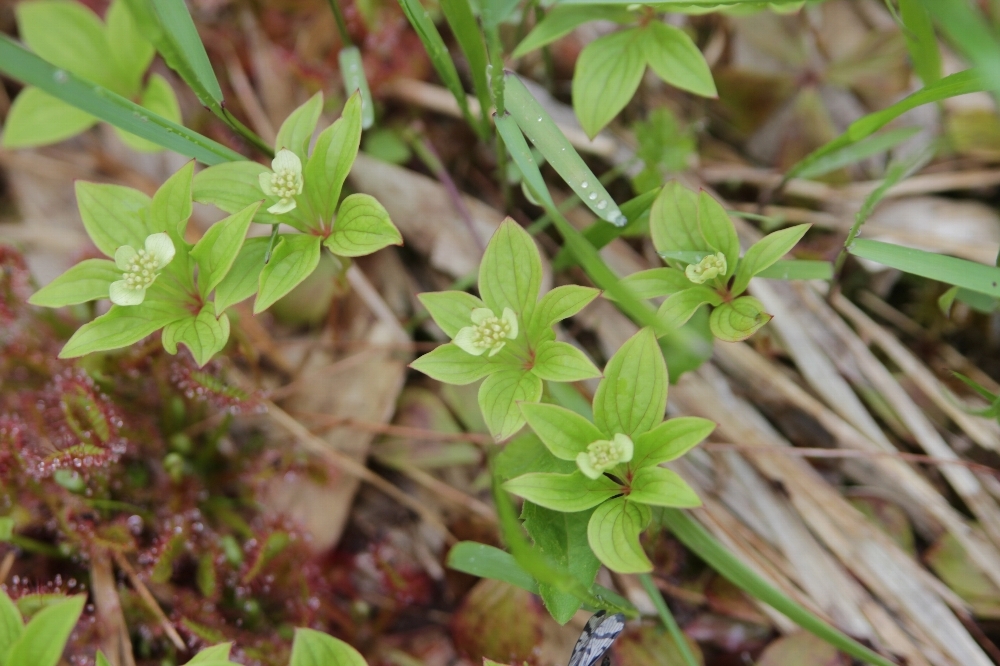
(613, 463)
(42, 641)
(301, 190)
(112, 54)
(697, 239)
(506, 336)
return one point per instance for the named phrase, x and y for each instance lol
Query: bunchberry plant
(610, 467)
(698, 242)
(42, 640)
(112, 54)
(506, 336)
(301, 190)
(153, 277)
(610, 68)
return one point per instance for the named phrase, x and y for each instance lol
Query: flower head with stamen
(487, 332)
(141, 268)
(604, 454)
(284, 182)
(709, 268)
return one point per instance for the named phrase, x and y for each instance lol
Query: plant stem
(338, 15)
(668, 619)
(245, 132)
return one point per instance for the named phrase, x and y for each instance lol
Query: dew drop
(60, 76)
(602, 205)
(593, 195)
(584, 185)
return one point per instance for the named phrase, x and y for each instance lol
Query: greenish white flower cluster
(708, 268)
(604, 454)
(488, 332)
(141, 268)
(284, 182)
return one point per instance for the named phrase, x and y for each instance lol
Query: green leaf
(558, 304)
(70, 36)
(656, 282)
(439, 55)
(45, 637)
(510, 274)
(297, 130)
(38, 119)
(232, 187)
(607, 74)
(960, 83)
(314, 648)
(971, 34)
(538, 125)
(632, 396)
(479, 559)
(950, 270)
(562, 362)
(124, 325)
(675, 58)
(171, 206)
(218, 248)
(334, 153)
(855, 152)
(718, 230)
(11, 625)
(293, 259)
(451, 310)
(88, 280)
(526, 453)
(920, 41)
(659, 486)
(168, 25)
(131, 51)
(451, 365)
(499, 396)
(738, 319)
(106, 105)
(159, 98)
(353, 72)
(564, 433)
(679, 307)
(673, 221)
(495, 12)
(243, 277)
(362, 227)
(214, 653)
(461, 20)
(669, 440)
(613, 533)
(101, 660)
(203, 335)
(562, 20)
(563, 492)
(798, 269)
(562, 537)
(765, 253)
(113, 215)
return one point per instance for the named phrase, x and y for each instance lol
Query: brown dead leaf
(801, 649)
(500, 622)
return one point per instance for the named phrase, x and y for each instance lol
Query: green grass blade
(853, 153)
(668, 619)
(971, 34)
(695, 537)
(536, 123)
(950, 270)
(458, 14)
(440, 58)
(181, 31)
(961, 83)
(920, 41)
(635, 210)
(19, 63)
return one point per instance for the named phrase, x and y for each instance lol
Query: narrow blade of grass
(854, 153)
(440, 58)
(961, 83)
(950, 270)
(971, 34)
(19, 63)
(695, 537)
(668, 619)
(463, 25)
(920, 41)
(535, 122)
